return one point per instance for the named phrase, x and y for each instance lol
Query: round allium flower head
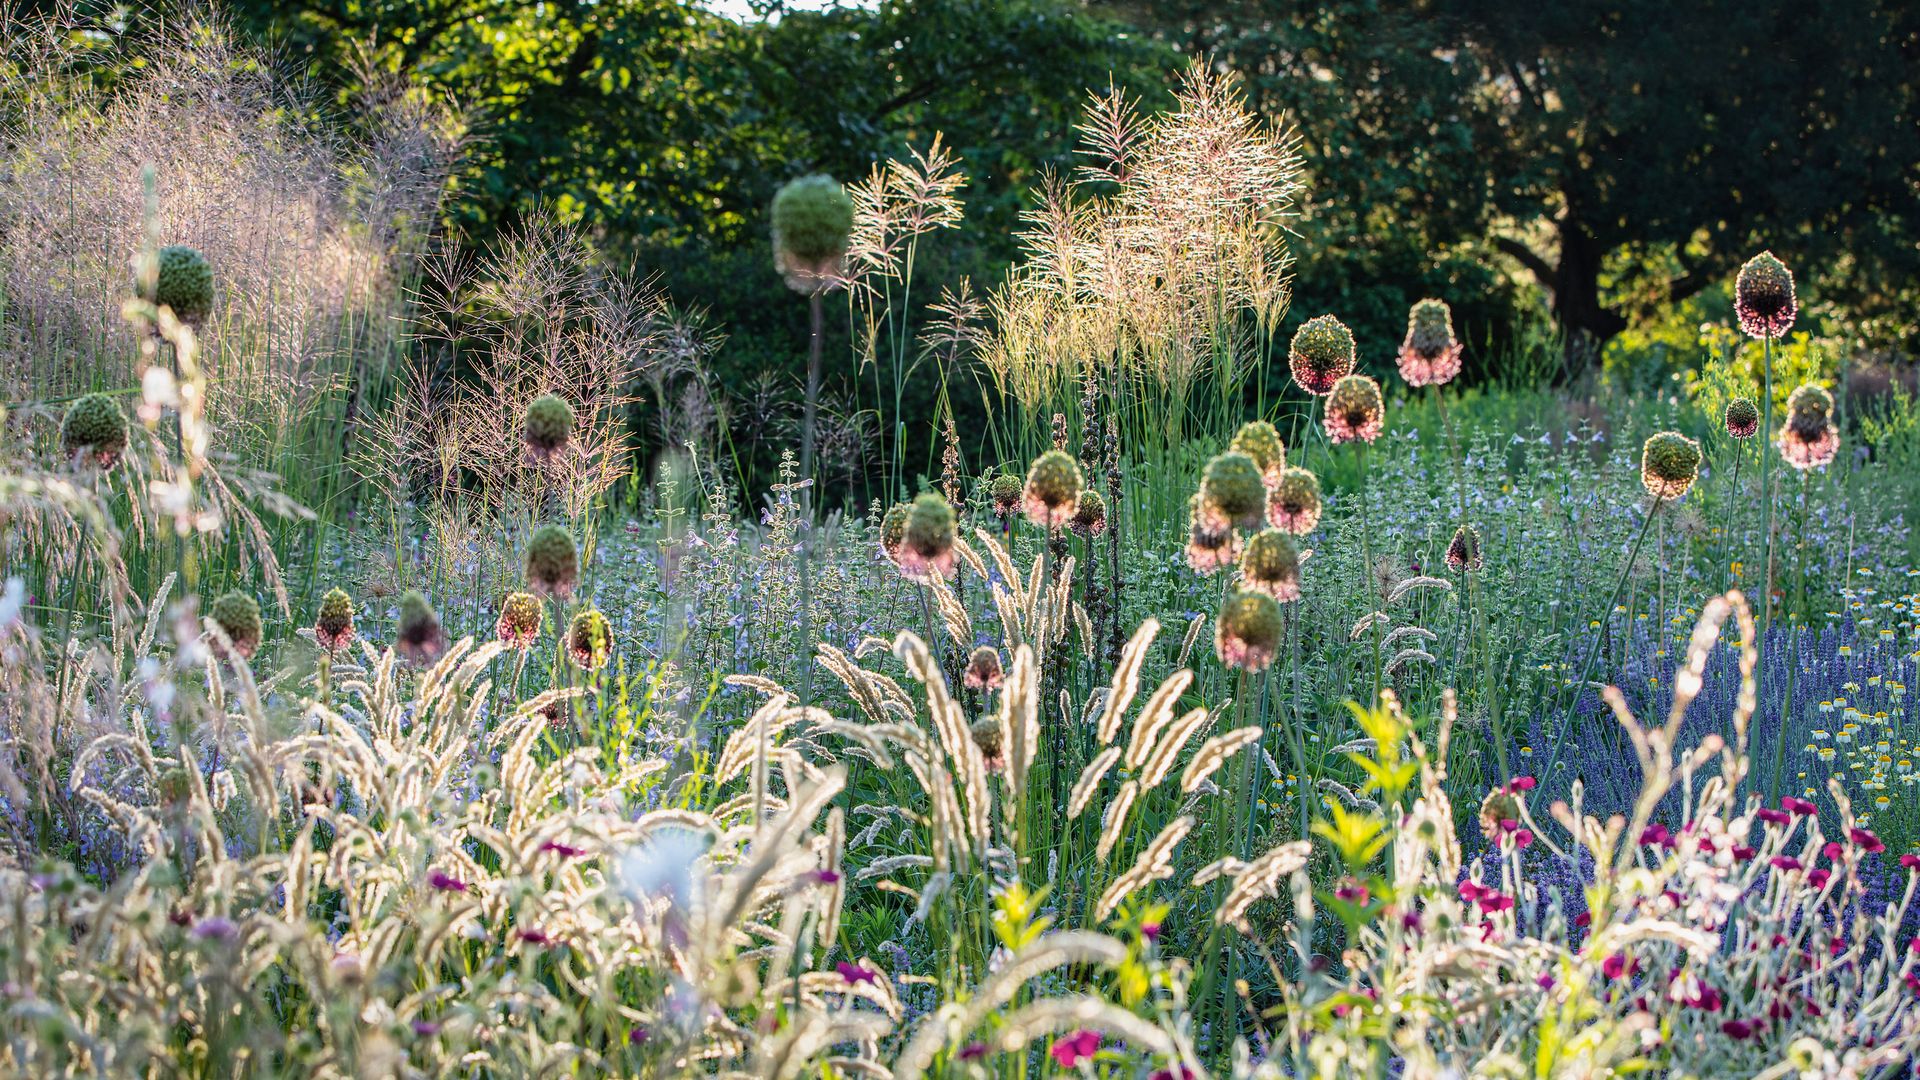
(1248, 632)
(1322, 354)
(548, 427)
(94, 430)
(1763, 297)
(1270, 563)
(1501, 804)
(1668, 464)
(1353, 410)
(926, 541)
(1089, 515)
(590, 640)
(1809, 440)
(893, 530)
(1260, 441)
(417, 635)
(812, 222)
(184, 282)
(983, 669)
(333, 626)
(238, 616)
(1294, 505)
(1212, 543)
(1233, 490)
(1463, 552)
(521, 616)
(1004, 492)
(1429, 356)
(1052, 492)
(986, 736)
(1743, 418)
(553, 562)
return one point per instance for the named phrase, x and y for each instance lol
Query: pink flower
(1614, 966)
(1801, 807)
(1544, 981)
(1150, 931)
(1496, 902)
(638, 1036)
(1832, 851)
(973, 1051)
(1470, 890)
(1522, 783)
(1353, 893)
(1772, 817)
(536, 937)
(826, 877)
(1708, 999)
(565, 851)
(1866, 841)
(446, 882)
(1910, 861)
(855, 974)
(1819, 878)
(1784, 862)
(1075, 1048)
(1655, 833)
(1737, 1029)
(1743, 853)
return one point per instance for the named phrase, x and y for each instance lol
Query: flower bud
(547, 427)
(926, 543)
(238, 616)
(94, 430)
(1742, 418)
(1763, 297)
(553, 562)
(1294, 505)
(1052, 493)
(812, 224)
(1669, 462)
(1321, 355)
(521, 616)
(1270, 564)
(1247, 634)
(1429, 356)
(1260, 441)
(333, 626)
(1233, 490)
(590, 640)
(1354, 410)
(418, 637)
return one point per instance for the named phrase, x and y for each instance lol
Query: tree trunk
(1588, 324)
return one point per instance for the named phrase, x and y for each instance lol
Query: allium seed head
(1260, 441)
(553, 562)
(1321, 355)
(1089, 515)
(184, 282)
(893, 530)
(1809, 439)
(1501, 804)
(1429, 356)
(1212, 543)
(1743, 418)
(1004, 492)
(238, 616)
(1233, 489)
(1668, 464)
(926, 544)
(548, 427)
(986, 736)
(333, 626)
(1052, 492)
(590, 640)
(418, 637)
(1294, 505)
(1354, 410)
(1463, 552)
(94, 430)
(1270, 563)
(983, 669)
(812, 222)
(521, 616)
(1763, 297)
(1247, 634)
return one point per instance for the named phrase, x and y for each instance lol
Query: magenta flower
(1819, 878)
(1522, 783)
(826, 877)
(855, 974)
(1784, 862)
(1150, 931)
(1614, 966)
(1772, 817)
(638, 1036)
(1910, 861)
(973, 1051)
(1866, 841)
(426, 1029)
(446, 882)
(1800, 807)
(1075, 1048)
(1738, 1029)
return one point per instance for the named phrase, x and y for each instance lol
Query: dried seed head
(238, 616)
(983, 669)
(1763, 297)
(418, 637)
(1260, 441)
(1211, 542)
(1053, 489)
(590, 640)
(812, 221)
(926, 543)
(1233, 489)
(1294, 505)
(547, 427)
(1089, 515)
(94, 430)
(553, 562)
(333, 626)
(1270, 564)
(184, 282)
(893, 530)
(1463, 553)
(1354, 410)
(521, 616)
(1809, 439)
(986, 736)
(1668, 464)
(1004, 492)
(1742, 418)
(1429, 356)
(1247, 634)
(1321, 355)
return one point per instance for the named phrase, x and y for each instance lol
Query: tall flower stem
(816, 320)
(1733, 511)
(1782, 732)
(1367, 591)
(1766, 487)
(1593, 649)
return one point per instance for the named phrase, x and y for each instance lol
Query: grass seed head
(1321, 355)
(553, 562)
(1354, 410)
(590, 640)
(418, 636)
(1247, 634)
(521, 616)
(333, 626)
(1763, 297)
(1669, 462)
(1260, 441)
(94, 430)
(1294, 505)
(1052, 492)
(238, 616)
(547, 427)
(184, 282)
(1742, 418)
(1270, 564)
(1430, 355)
(926, 544)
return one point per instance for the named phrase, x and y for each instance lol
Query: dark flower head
(1089, 515)
(1809, 439)
(1004, 492)
(521, 616)
(983, 669)
(893, 529)
(1212, 543)
(1260, 441)
(986, 736)
(553, 562)
(1052, 492)
(1294, 505)
(1429, 356)
(184, 282)
(94, 430)
(1247, 634)
(1742, 418)
(333, 627)
(1669, 462)
(1322, 354)
(1080, 1046)
(926, 543)
(590, 640)
(1233, 490)
(1354, 410)
(1763, 297)
(238, 616)
(548, 427)
(1463, 553)
(418, 636)
(1270, 564)
(812, 224)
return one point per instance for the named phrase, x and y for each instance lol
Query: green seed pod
(333, 627)
(1668, 464)
(1234, 489)
(184, 282)
(1260, 441)
(812, 224)
(1052, 491)
(238, 616)
(553, 562)
(418, 636)
(94, 430)
(548, 426)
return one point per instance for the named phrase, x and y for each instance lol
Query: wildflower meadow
(421, 655)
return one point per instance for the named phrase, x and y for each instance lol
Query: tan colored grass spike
(1227, 867)
(951, 726)
(1009, 578)
(748, 740)
(1113, 824)
(953, 615)
(1214, 753)
(1154, 864)
(1159, 764)
(1261, 878)
(1019, 725)
(970, 557)
(1422, 582)
(1193, 635)
(1155, 715)
(1126, 681)
(1089, 781)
